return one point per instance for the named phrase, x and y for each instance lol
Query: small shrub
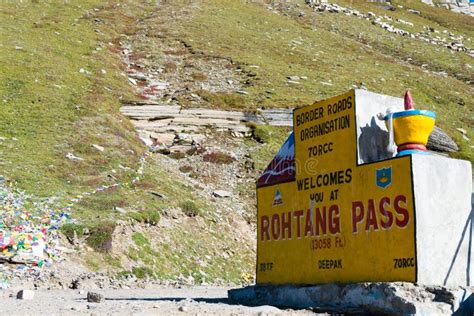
(199, 76)
(190, 208)
(222, 99)
(142, 272)
(259, 133)
(123, 275)
(186, 169)
(170, 67)
(72, 231)
(100, 238)
(151, 217)
(218, 157)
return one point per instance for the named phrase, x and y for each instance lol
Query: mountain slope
(63, 76)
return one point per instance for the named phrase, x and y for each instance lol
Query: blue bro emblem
(383, 177)
(277, 200)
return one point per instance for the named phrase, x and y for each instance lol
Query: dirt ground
(158, 301)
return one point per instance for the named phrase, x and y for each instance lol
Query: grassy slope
(49, 107)
(341, 50)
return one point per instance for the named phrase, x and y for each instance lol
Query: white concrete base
(362, 298)
(444, 220)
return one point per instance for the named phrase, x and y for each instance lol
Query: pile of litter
(29, 234)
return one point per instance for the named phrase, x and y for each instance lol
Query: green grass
(73, 231)
(188, 253)
(49, 108)
(140, 240)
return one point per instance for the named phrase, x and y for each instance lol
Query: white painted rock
(25, 295)
(98, 147)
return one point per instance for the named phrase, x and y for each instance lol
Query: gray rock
(120, 210)
(93, 297)
(222, 193)
(25, 295)
(414, 11)
(98, 147)
(162, 149)
(158, 195)
(440, 141)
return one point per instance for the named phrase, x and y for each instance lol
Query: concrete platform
(362, 298)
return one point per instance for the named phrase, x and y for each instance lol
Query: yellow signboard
(337, 221)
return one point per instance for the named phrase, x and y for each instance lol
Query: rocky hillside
(173, 199)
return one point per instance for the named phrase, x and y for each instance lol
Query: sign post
(335, 219)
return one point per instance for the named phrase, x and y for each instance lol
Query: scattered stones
(25, 295)
(455, 44)
(93, 297)
(183, 309)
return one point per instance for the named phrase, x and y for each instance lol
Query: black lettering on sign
(402, 263)
(308, 116)
(320, 149)
(326, 179)
(323, 243)
(317, 197)
(330, 264)
(266, 266)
